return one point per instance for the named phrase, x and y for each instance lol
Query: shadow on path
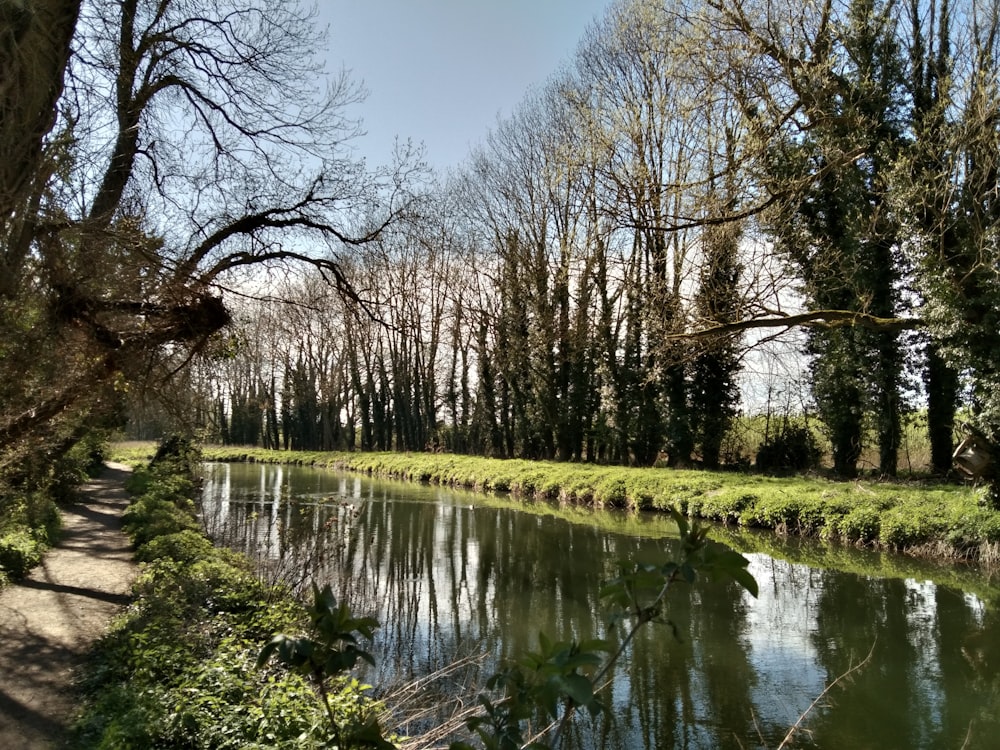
(49, 620)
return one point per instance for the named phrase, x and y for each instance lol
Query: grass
(919, 518)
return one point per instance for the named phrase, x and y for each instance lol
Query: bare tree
(156, 148)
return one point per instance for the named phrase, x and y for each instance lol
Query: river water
(452, 574)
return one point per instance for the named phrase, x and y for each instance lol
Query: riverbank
(933, 520)
(180, 668)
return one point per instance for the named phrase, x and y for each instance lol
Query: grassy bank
(942, 521)
(179, 668)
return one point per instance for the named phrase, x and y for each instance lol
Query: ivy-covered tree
(836, 227)
(930, 78)
(714, 393)
(950, 201)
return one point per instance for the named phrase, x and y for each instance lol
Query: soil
(49, 620)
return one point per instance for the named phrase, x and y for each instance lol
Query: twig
(416, 700)
(643, 615)
(851, 670)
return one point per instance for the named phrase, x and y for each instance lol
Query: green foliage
(179, 668)
(329, 652)
(538, 684)
(334, 648)
(20, 551)
(83, 460)
(29, 498)
(29, 524)
(177, 454)
(563, 676)
(162, 502)
(185, 547)
(153, 516)
(794, 448)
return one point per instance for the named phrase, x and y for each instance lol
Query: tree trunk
(942, 396)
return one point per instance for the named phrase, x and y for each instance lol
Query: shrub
(151, 517)
(19, 552)
(184, 547)
(900, 532)
(862, 524)
(612, 491)
(178, 454)
(793, 449)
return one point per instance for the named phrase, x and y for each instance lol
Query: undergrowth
(29, 500)
(179, 668)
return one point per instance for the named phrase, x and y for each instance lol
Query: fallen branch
(813, 319)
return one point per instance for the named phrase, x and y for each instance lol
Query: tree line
(592, 284)
(700, 177)
(151, 153)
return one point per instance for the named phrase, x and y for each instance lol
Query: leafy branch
(330, 649)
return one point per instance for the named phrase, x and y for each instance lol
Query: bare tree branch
(813, 318)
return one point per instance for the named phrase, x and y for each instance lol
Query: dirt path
(48, 620)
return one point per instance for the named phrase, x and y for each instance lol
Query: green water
(452, 574)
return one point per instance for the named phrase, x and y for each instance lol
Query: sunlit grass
(933, 519)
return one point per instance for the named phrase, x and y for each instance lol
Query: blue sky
(440, 72)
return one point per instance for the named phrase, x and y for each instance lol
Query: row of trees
(700, 178)
(593, 284)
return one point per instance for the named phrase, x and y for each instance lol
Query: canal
(452, 574)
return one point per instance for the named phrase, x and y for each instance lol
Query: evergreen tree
(930, 77)
(838, 231)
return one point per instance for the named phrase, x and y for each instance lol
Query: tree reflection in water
(449, 573)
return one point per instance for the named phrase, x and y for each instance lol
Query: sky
(440, 72)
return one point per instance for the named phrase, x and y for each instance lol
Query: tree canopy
(598, 282)
(150, 152)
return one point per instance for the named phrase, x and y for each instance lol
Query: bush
(795, 448)
(185, 547)
(162, 504)
(19, 552)
(862, 525)
(178, 454)
(29, 524)
(612, 491)
(151, 517)
(85, 459)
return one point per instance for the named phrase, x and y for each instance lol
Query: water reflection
(447, 573)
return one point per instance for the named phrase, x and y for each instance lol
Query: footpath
(49, 620)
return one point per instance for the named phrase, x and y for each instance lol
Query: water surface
(451, 573)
